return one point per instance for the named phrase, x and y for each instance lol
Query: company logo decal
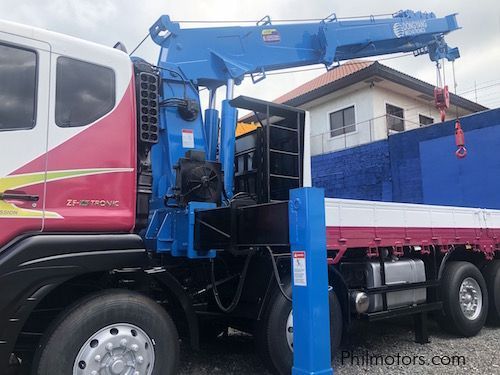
(104, 203)
(402, 29)
(10, 210)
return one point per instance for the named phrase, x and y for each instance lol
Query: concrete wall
(357, 173)
(420, 166)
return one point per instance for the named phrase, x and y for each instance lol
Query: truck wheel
(465, 299)
(491, 273)
(274, 333)
(111, 332)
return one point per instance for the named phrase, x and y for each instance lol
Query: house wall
(413, 107)
(361, 98)
(370, 110)
(419, 166)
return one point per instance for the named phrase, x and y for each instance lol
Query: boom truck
(129, 216)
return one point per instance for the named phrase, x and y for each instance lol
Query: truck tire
(465, 299)
(491, 273)
(272, 335)
(115, 329)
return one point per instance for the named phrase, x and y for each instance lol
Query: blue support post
(228, 130)
(311, 318)
(211, 133)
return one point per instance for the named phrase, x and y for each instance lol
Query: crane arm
(216, 56)
(211, 56)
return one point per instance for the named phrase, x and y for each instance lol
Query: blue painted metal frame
(172, 231)
(228, 134)
(211, 56)
(171, 147)
(211, 132)
(311, 312)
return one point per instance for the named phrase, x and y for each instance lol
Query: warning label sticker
(187, 138)
(299, 268)
(271, 36)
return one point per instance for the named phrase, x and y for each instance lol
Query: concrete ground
(385, 341)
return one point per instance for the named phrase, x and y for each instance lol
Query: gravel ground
(235, 354)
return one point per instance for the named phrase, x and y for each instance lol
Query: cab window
(85, 92)
(18, 79)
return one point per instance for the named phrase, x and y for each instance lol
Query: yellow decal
(10, 210)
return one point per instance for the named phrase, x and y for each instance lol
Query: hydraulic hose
(239, 289)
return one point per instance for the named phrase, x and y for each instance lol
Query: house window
(395, 118)
(85, 92)
(342, 122)
(424, 120)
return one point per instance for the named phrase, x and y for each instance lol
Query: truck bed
(368, 224)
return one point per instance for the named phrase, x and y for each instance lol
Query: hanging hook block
(460, 141)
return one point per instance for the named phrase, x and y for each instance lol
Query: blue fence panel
(419, 166)
(356, 173)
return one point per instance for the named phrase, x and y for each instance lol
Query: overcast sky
(107, 21)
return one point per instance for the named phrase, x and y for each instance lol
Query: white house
(365, 101)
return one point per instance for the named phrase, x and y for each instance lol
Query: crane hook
(460, 141)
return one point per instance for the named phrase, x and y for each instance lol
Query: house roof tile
(333, 75)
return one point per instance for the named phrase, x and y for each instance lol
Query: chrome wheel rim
(289, 330)
(118, 349)
(470, 298)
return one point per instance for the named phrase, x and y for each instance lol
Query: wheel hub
(470, 298)
(118, 366)
(118, 349)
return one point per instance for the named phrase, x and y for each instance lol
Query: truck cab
(67, 135)
(68, 141)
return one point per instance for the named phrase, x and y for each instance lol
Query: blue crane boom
(217, 56)
(211, 56)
